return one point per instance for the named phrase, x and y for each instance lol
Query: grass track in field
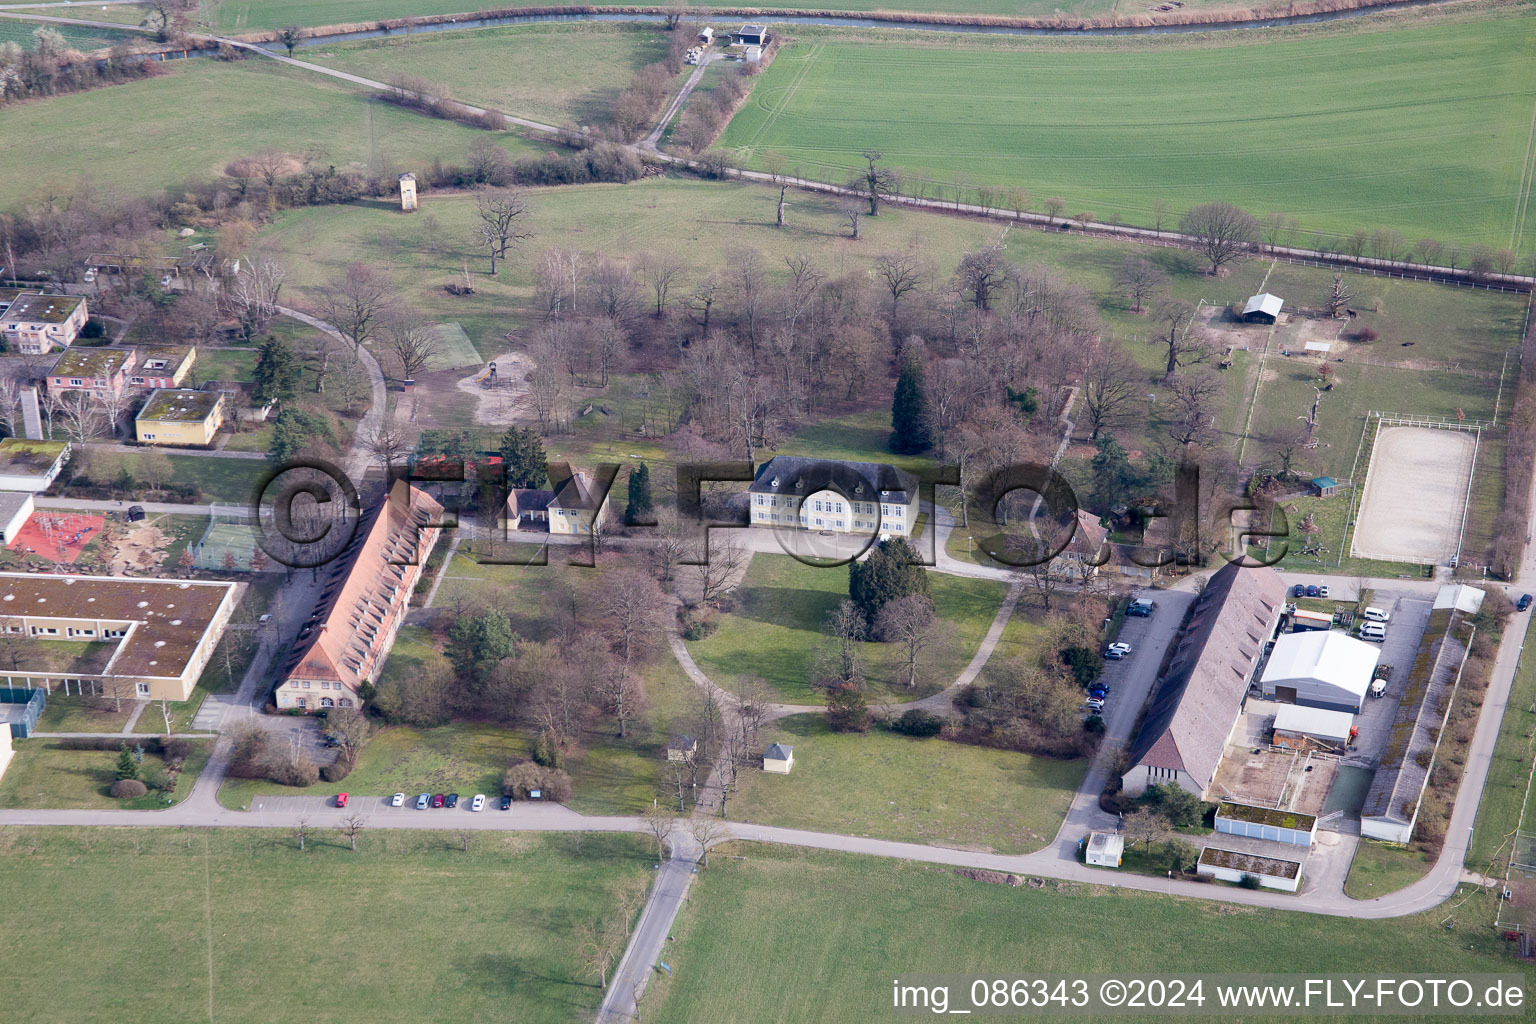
(408, 927)
(191, 121)
(1424, 128)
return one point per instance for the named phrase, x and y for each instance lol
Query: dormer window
(774, 482)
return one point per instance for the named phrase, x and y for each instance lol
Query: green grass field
(183, 925)
(1382, 868)
(568, 74)
(45, 775)
(81, 37)
(844, 926)
(241, 108)
(1423, 128)
(776, 631)
(890, 786)
(249, 15)
(1498, 815)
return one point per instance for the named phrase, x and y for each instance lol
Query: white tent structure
(1320, 670)
(1295, 723)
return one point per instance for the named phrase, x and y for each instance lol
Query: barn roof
(1264, 303)
(1193, 708)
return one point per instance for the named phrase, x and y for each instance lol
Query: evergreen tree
(639, 509)
(892, 570)
(278, 374)
(127, 767)
(522, 457)
(1112, 474)
(909, 410)
(476, 643)
(293, 431)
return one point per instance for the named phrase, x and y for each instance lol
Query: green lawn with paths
(409, 926)
(242, 107)
(42, 774)
(775, 631)
(845, 925)
(889, 786)
(1419, 125)
(555, 73)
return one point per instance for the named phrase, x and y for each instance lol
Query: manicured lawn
(558, 73)
(43, 774)
(75, 714)
(850, 924)
(242, 107)
(1498, 815)
(1419, 127)
(775, 631)
(464, 758)
(890, 786)
(1381, 868)
(409, 926)
(225, 364)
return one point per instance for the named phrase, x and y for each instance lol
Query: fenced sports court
(231, 532)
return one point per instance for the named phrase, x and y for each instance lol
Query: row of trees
(52, 67)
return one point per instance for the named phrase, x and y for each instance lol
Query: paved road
(94, 505)
(649, 941)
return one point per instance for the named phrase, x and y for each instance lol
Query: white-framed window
(885, 510)
(346, 702)
(75, 381)
(302, 703)
(306, 684)
(818, 521)
(759, 500)
(326, 702)
(143, 689)
(818, 506)
(895, 511)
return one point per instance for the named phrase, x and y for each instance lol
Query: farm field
(242, 108)
(850, 922)
(250, 15)
(426, 931)
(1422, 128)
(569, 74)
(781, 607)
(81, 37)
(890, 786)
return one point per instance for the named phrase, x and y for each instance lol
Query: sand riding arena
(1414, 504)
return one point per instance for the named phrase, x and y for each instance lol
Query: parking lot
(1131, 679)
(1409, 617)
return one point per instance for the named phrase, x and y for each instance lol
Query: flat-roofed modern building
(142, 639)
(180, 416)
(35, 322)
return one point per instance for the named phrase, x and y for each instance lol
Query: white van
(1377, 615)
(1373, 631)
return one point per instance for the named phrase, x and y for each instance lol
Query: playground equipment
(488, 378)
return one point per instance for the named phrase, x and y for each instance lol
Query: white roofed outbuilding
(1295, 722)
(1263, 308)
(1321, 669)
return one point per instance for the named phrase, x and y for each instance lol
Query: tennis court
(453, 348)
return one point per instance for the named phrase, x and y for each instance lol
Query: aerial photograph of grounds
(591, 513)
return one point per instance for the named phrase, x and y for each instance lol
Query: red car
(437, 800)
(341, 799)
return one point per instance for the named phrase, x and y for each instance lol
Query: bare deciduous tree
(723, 560)
(301, 830)
(1139, 279)
(1112, 384)
(1177, 317)
(982, 273)
(708, 833)
(659, 822)
(411, 340)
(875, 183)
(1196, 397)
(356, 302)
(658, 271)
(502, 215)
(251, 295)
(909, 621)
(351, 827)
(1339, 296)
(1221, 232)
(901, 272)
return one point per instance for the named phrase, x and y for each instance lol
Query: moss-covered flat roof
(18, 455)
(1251, 863)
(1267, 816)
(173, 355)
(179, 405)
(90, 362)
(36, 307)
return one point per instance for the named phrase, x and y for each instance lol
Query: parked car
(453, 800)
(1121, 646)
(1322, 590)
(1524, 603)
(135, 513)
(423, 800)
(1141, 608)
(437, 800)
(1095, 706)
(1113, 655)
(478, 803)
(341, 799)
(1098, 693)
(506, 803)
(1298, 591)
(398, 800)
(1101, 685)
(1312, 591)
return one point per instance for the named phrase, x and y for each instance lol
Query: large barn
(1197, 702)
(1320, 670)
